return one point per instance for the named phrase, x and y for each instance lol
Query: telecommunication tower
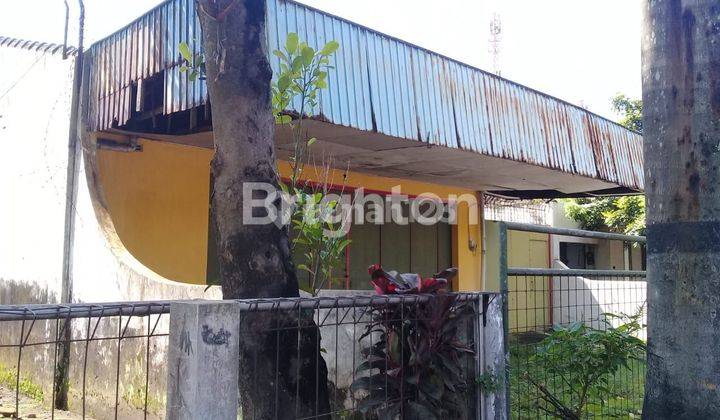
(495, 41)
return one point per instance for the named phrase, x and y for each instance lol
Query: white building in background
(557, 251)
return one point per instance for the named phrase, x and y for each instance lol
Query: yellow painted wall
(528, 296)
(467, 248)
(528, 303)
(159, 199)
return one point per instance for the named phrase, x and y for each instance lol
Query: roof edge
(409, 44)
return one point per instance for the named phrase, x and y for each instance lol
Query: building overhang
(390, 108)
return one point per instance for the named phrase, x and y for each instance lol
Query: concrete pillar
(494, 356)
(203, 360)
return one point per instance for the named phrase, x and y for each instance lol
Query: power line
(22, 76)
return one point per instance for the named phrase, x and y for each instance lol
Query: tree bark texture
(681, 94)
(282, 373)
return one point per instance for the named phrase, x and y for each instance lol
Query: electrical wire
(22, 76)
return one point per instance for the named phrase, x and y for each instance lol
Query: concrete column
(495, 359)
(203, 360)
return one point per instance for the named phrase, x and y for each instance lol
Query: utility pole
(681, 94)
(61, 382)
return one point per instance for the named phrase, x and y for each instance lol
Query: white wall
(34, 118)
(585, 300)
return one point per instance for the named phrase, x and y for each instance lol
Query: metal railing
(537, 299)
(117, 355)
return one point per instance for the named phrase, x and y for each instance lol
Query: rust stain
(520, 123)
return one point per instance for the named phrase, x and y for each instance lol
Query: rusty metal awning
(379, 84)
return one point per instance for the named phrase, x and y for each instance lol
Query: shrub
(416, 365)
(583, 360)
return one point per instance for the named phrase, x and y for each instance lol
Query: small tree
(303, 74)
(630, 111)
(614, 214)
(582, 360)
(322, 241)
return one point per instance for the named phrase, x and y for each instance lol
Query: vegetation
(614, 214)
(630, 111)
(255, 259)
(574, 366)
(415, 364)
(624, 400)
(318, 238)
(8, 378)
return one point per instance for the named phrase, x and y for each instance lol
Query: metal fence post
(203, 360)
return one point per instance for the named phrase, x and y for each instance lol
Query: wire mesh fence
(538, 303)
(539, 300)
(340, 357)
(83, 360)
(384, 356)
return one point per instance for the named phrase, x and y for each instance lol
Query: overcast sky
(583, 51)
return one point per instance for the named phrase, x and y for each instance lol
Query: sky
(582, 51)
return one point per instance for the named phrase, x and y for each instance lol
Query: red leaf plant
(415, 366)
(389, 283)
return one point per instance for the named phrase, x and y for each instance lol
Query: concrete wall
(34, 118)
(126, 246)
(528, 296)
(158, 199)
(34, 131)
(581, 299)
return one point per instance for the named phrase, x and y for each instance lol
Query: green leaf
(283, 82)
(280, 54)
(308, 54)
(291, 42)
(311, 141)
(330, 48)
(184, 49)
(419, 411)
(297, 63)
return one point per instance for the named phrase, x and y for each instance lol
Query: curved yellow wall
(159, 199)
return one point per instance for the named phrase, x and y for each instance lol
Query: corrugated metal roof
(42, 47)
(381, 84)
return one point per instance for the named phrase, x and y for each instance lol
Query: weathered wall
(35, 119)
(577, 298)
(34, 116)
(158, 201)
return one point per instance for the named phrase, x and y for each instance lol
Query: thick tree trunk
(681, 93)
(282, 374)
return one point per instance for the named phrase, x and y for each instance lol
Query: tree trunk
(282, 374)
(681, 94)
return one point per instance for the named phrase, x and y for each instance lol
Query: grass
(8, 378)
(624, 400)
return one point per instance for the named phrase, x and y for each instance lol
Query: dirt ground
(29, 408)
